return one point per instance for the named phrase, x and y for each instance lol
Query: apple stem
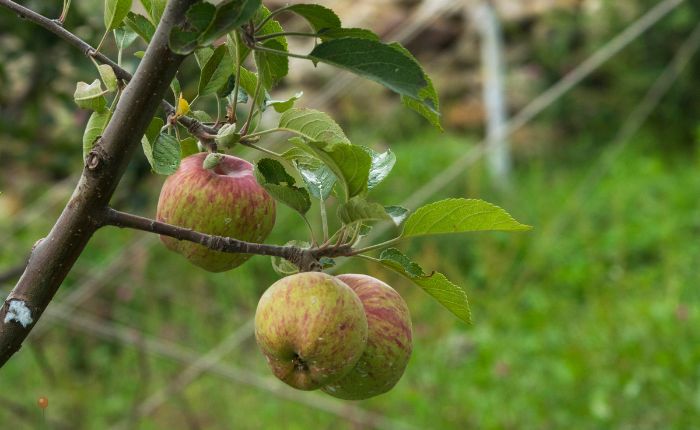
(253, 104)
(382, 245)
(324, 220)
(311, 230)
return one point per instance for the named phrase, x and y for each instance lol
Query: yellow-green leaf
(460, 216)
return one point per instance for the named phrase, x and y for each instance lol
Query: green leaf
(459, 216)
(248, 82)
(94, 128)
(155, 9)
(319, 179)
(363, 230)
(202, 116)
(427, 103)
(108, 76)
(188, 147)
(182, 42)
(274, 178)
(186, 39)
(166, 154)
(339, 33)
(200, 15)
(175, 87)
(149, 138)
(376, 61)
(139, 54)
(274, 172)
(215, 72)
(282, 106)
(397, 213)
(227, 88)
(319, 17)
(90, 96)
(228, 16)
(124, 37)
(272, 67)
(436, 284)
(358, 209)
(297, 154)
(382, 163)
(140, 25)
(115, 11)
(350, 163)
(202, 55)
(313, 125)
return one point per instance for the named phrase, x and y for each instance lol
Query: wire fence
(651, 100)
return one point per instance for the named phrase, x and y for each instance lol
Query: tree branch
(305, 259)
(53, 257)
(195, 127)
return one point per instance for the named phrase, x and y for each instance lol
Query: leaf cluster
(242, 53)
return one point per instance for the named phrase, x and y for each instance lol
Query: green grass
(589, 321)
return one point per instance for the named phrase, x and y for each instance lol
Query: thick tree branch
(53, 257)
(305, 259)
(195, 127)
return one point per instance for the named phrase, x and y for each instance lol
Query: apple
(389, 341)
(225, 200)
(312, 329)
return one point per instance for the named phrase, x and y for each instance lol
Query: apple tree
(349, 335)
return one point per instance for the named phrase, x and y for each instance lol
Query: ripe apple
(224, 201)
(312, 329)
(389, 341)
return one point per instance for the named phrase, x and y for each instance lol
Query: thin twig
(305, 259)
(278, 52)
(253, 107)
(284, 34)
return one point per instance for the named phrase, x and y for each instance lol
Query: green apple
(312, 329)
(225, 200)
(389, 341)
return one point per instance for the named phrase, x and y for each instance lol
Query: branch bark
(305, 259)
(53, 257)
(195, 127)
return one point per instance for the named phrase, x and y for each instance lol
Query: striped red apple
(312, 329)
(389, 341)
(225, 200)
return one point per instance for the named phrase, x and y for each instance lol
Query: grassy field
(590, 321)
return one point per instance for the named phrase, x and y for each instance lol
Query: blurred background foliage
(589, 321)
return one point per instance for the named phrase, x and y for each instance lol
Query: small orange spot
(43, 402)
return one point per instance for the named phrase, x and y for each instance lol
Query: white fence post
(493, 70)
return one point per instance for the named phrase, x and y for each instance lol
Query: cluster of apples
(349, 335)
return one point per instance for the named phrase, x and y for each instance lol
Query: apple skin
(389, 342)
(312, 329)
(223, 201)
